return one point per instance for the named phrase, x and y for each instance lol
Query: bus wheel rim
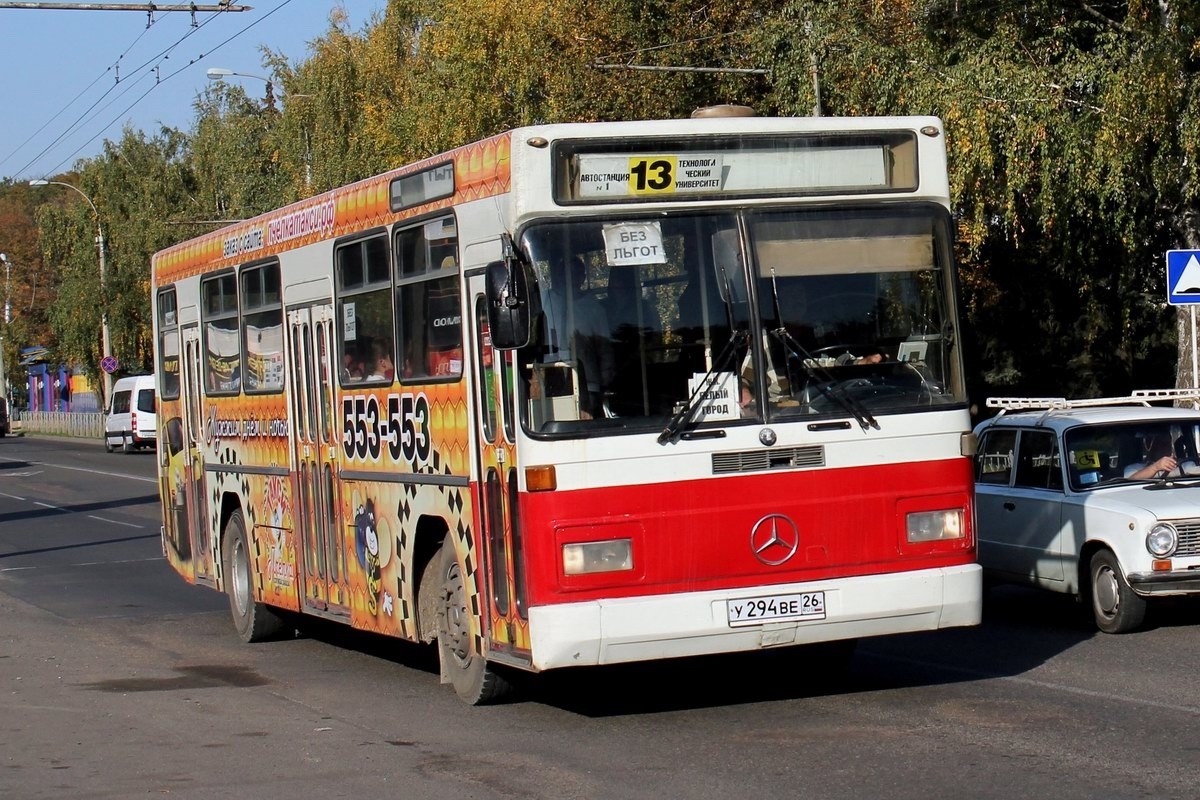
(457, 628)
(241, 588)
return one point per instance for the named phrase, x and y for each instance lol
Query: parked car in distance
(1074, 496)
(5, 418)
(131, 422)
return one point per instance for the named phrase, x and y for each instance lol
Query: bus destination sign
(780, 166)
(623, 176)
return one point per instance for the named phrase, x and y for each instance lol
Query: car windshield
(739, 316)
(1100, 455)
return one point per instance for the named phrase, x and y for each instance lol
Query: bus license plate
(776, 608)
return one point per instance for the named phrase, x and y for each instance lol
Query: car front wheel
(1116, 607)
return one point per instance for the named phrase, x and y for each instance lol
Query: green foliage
(1056, 115)
(1073, 132)
(139, 187)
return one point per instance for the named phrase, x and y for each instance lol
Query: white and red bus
(583, 394)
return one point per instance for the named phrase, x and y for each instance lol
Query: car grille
(777, 458)
(1189, 537)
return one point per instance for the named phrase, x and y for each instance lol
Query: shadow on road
(79, 545)
(1022, 629)
(81, 508)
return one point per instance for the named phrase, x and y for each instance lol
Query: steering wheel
(844, 348)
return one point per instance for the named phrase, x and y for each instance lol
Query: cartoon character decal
(366, 545)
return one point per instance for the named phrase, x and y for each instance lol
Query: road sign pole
(1195, 357)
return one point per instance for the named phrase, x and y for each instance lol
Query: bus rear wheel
(255, 621)
(473, 678)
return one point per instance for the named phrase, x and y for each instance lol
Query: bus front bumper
(698, 623)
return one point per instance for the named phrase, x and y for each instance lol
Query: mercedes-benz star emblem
(774, 539)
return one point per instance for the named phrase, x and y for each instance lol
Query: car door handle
(1010, 506)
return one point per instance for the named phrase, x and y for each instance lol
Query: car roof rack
(1142, 397)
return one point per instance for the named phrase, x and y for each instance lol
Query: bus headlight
(610, 555)
(1161, 540)
(934, 526)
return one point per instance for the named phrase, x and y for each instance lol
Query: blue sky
(60, 94)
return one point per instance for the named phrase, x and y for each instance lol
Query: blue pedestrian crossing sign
(1183, 277)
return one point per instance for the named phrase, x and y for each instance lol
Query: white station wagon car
(1097, 498)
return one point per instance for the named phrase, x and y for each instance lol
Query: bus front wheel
(255, 621)
(474, 679)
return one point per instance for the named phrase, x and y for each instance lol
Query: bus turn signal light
(541, 479)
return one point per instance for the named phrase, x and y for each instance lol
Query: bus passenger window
(223, 366)
(429, 315)
(364, 310)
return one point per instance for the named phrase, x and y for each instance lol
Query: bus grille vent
(777, 458)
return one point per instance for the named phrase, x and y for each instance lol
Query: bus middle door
(310, 333)
(500, 530)
(193, 460)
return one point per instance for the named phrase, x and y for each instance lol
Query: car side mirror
(511, 305)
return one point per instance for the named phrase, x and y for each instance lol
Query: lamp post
(3, 365)
(105, 349)
(220, 73)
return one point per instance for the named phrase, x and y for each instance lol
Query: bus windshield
(739, 316)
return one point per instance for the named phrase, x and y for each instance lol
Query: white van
(130, 421)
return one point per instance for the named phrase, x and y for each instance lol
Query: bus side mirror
(510, 304)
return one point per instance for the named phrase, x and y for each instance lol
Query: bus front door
(193, 462)
(314, 460)
(500, 529)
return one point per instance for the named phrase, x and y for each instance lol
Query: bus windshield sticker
(631, 243)
(349, 323)
(719, 400)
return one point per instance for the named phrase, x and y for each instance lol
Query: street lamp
(104, 340)
(220, 73)
(4, 366)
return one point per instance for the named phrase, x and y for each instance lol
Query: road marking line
(116, 522)
(12, 496)
(1061, 687)
(84, 469)
(88, 564)
(47, 505)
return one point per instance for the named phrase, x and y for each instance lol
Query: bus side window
(364, 310)
(428, 310)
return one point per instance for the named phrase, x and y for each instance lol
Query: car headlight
(1161, 540)
(933, 526)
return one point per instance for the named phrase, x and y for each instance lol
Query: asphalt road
(118, 680)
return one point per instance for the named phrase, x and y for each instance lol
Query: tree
(30, 285)
(140, 186)
(1055, 115)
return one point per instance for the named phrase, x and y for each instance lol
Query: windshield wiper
(1183, 481)
(684, 415)
(825, 382)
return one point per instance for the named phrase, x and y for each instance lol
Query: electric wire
(162, 56)
(84, 115)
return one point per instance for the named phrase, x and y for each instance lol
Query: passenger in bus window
(577, 330)
(382, 367)
(779, 391)
(352, 369)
